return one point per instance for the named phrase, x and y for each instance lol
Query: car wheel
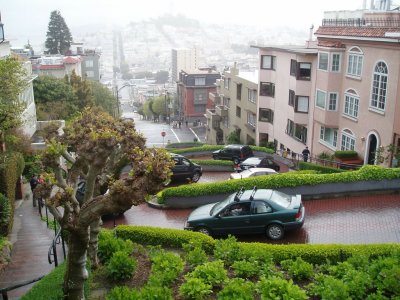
(196, 177)
(203, 230)
(236, 161)
(275, 231)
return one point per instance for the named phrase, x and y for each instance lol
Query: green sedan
(254, 211)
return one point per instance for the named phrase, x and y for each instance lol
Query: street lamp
(167, 106)
(1, 31)
(117, 94)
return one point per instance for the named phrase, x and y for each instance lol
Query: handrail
(4, 291)
(53, 248)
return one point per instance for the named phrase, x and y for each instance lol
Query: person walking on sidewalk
(33, 183)
(306, 154)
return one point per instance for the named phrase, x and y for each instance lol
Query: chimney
(310, 37)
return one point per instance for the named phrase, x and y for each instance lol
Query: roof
(51, 67)
(362, 32)
(71, 60)
(299, 49)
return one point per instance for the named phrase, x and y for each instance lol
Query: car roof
(235, 146)
(252, 160)
(262, 194)
(175, 155)
(269, 170)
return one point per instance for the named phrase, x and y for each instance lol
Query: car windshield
(246, 173)
(281, 199)
(220, 205)
(252, 160)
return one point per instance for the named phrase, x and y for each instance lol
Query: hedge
(213, 162)
(316, 254)
(346, 154)
(320, 169)
(183, 145)
(5, 215)
(290, 179)
(205, 148)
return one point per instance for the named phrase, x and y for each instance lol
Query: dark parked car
(185, 169)
(254, 211)
(235, 153)
(260, 162)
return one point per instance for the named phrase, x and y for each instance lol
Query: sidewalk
(31, 241)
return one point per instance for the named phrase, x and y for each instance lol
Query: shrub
(320, 169)
(213, 162)
(122, 293)
(245, 269)
(298, 269)
(195, 288)
(183, 145)
(212, 273)
(237, 289)
(330, 288)
(109, 244)
(155, 293)
(196, 257)
(343, 154)
(278, 288)
(166, 266)
(121, 266)
(227, 250)
(5, 215)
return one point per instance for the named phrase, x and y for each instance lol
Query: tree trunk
(76, 272)
(93, 243)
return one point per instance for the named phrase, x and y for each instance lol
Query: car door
(261, 215)
(226, 154)
(181, 170)
(234, 219)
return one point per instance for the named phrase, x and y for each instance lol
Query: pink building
(341, 92)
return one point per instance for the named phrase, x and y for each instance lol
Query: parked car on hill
(185, 169)
(260, 162)
(262, 211)
(235, 153)
(253, 172)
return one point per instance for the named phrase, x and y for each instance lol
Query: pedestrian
(180, 124)
(306, 154)
(40, 179)
(33, 183)
(187, 124)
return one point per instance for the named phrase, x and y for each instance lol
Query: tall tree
(12, 82)
(98, 142)
(59, 37)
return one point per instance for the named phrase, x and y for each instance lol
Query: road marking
(176, 135)
(198, 139)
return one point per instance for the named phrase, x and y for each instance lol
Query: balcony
(221, 110)
(328, 118)
(212, 117)
(300, 118)
(215, 98)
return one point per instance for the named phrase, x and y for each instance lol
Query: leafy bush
(326, 155)
(278, 288)
(245, 269)
(166, 266)
(122, 293)
(195, 288)
(212, 273)
(237, 289)
(196, 256)
(213, 162)
(227, 250)
(155, 293)
(330, 288)
(298, 269)
(320, 169)
(183, 145)
(109, 244)
(121, 266)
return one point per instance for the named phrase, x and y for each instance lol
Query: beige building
(185, 59)
(57, 65)
(235, 108)
(341, 92)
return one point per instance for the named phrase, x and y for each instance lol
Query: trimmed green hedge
(321, 169)
(160, 236)
(346, 154)
(290, 179)
(183, 145)
(211, 148)
(213, 162)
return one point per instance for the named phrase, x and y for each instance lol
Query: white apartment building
(183, 59)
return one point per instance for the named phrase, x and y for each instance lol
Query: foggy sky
(28, 20)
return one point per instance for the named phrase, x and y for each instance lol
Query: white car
(253, 172)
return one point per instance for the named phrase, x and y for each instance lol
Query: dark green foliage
(121, 266)
(245, 269)
(59, 37)
(33, 165)
(103, 97)
(227, 250)
(122, 293)
(166, 266)
(346, 154)
(183, 145)
(108, 244)
(319, 168)
(195, 288)
(155, 293)
(5, 215)
(234, 137)
(330, 288)
(279, 288)
(194, 253)
(298, 269)
(212, 273)
(238, 289)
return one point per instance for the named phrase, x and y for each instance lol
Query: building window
(320, 100)
(354, 67)
(328, 136)
(351, 102)
(335, 62)
(251, 119)
(301, 104)
(379, 86)
(226, 102)
(297, 131)
(239, 91)
(227, 83)
(89, 64)
(267, 89)
(291, 97)
(252, 94)
(200, 108)
(293, 67)
(323, 61)
(348, 140)
(200, 96)
(332, 102)
(304, 71)
(266, 115)
(268, 62)
(238, 111)
(199, 81)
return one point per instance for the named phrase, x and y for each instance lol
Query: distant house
(57, 65)
(90, 61)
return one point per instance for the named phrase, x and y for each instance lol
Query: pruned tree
(59, 37)
(92, 144)
(13, 81)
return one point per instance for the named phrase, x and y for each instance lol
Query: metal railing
(4, 291)
(359, 22)
(58, 239)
